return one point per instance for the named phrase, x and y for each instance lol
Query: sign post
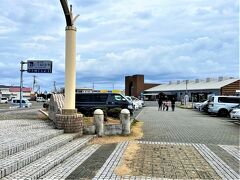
(21, 81)
(39, 66)
(34, 66)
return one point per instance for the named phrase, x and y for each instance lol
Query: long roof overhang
(194, 86)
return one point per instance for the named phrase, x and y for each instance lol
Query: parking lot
(189, 126)
(184, 144)
(7, 106)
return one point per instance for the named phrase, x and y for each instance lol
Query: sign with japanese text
(39, 66)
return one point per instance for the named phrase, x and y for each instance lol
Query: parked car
(234, 107)
(221, 105)
(25, 103)
(135, 103)
(4, 100)
(40, 99)
(140, 102)
(196, 105)
(88, 102)
(203, 106)
(235, 113)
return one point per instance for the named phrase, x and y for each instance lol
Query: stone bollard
(125, 121)
(98, 120)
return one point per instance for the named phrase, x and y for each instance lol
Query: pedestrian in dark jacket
(160, 103)
(173, 103)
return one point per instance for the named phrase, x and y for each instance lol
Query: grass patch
(129, 154)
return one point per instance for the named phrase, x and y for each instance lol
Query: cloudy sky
(162, 39)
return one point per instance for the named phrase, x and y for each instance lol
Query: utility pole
(21, 81)
(34, 82)
(186, 86)
(54, 87)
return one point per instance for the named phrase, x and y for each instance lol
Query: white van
(40, 99)
(4, 100)
(25, 103)
(221, 105)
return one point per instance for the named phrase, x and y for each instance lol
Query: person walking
(160, 102)
(173, 103)
(164, 106)
(168, 104)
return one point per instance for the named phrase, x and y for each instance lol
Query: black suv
(88, 102)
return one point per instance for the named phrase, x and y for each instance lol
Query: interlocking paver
(218, 164)
(233, 150)
(17, 135)
(187, 126)
(41, 166)
(88, 169)
(23, 158)
(71, 164)
(172, 147)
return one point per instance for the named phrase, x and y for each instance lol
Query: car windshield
(128, 98)
(237, 106)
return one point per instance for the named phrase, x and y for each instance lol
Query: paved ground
(188, 126)
(194, 150)
(184, 144)
(6, 107)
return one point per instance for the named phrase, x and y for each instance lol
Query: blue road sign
(39, 66)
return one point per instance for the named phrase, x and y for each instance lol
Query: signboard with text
(39, 66)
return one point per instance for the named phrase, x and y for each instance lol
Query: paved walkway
(187, 126)
(184, 144)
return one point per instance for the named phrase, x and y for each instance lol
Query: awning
(150, 94)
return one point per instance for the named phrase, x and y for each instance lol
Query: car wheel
(223, 113)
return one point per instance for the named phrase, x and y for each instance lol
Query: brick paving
(184, 144)
(171, 161)
(228, 158)
(41, 166)
(188, 126)
(21, 114)
(17, 135)
(180, 145)
(68, 168)
(89, 168)
(107, 170)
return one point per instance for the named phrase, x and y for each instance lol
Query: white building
(14, 91)
(196, 89)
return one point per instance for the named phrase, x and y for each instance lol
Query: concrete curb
(43, 112)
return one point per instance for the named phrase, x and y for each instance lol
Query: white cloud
(43, 38)
(162, 39)
(32, 46)
(7, 25)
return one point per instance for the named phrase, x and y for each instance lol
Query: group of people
(164, 102)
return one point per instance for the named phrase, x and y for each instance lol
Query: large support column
(69, 120)
(70, 68)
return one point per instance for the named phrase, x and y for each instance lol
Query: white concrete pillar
(98, 120)
(125, 121)
(70, 68)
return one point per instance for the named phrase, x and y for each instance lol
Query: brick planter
(70, 123)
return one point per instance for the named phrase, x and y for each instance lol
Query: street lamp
(70, 57)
